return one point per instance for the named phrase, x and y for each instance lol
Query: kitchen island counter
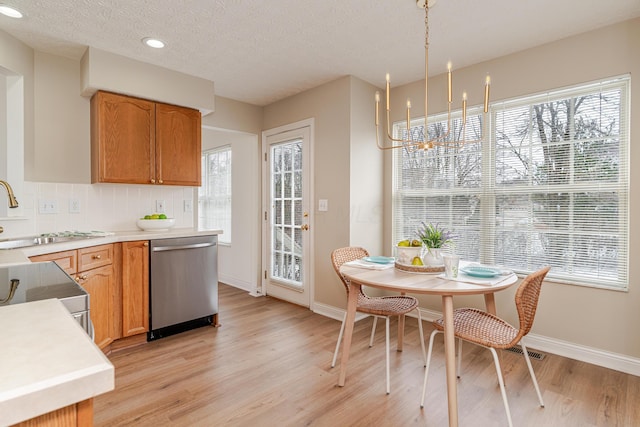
(48, 362)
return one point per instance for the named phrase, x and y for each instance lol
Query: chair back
(527, 297)
(341, 255)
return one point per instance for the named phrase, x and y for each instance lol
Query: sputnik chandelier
(425, 143)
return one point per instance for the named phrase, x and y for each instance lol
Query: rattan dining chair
(384, 306)
(489, 331)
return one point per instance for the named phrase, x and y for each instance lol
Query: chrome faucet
(13, 203)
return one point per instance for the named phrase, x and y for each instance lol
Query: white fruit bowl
(156, 224)
(405, 254)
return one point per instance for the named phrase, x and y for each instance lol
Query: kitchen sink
(24, 242)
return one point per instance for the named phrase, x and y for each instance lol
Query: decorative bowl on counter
(156, 224)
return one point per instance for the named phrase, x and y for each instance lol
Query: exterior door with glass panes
(286, 216)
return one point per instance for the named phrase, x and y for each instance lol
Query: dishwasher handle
(178, 247)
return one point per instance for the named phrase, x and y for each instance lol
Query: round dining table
(406, 282)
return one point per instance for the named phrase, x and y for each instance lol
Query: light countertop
(48, 361)
(21, 255)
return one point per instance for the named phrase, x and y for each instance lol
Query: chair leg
(387, 349)
(459, 367)
(424, 353)
(373, 330)
(426, 370)
(533, 375)
(335, 353)
(501, 382)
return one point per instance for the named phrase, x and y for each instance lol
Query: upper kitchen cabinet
(136, 141)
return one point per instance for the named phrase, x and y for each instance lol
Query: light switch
(323, 205)
(48, 206)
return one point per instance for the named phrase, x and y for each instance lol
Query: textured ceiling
(261, 51)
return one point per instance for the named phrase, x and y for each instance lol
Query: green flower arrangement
(434, 236)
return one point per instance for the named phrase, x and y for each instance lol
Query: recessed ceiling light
(10, 11)
(151, 42)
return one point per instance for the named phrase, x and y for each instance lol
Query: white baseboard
(237, 283)
(605, 359)
(334, 312)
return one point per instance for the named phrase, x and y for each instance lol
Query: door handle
(304, 227)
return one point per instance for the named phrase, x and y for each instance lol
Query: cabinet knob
(145, 244)
(83, 277)
(153, 180)
(97, 257)
(160, 181)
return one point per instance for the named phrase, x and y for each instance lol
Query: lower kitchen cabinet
(67, 260)
(92, 268)
(135, 288)
(79, 414)
(99, 283)
(116, 276)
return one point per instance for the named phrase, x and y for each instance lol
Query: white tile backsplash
(104, 207)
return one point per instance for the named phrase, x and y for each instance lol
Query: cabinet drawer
(95, 256)
(67, 260)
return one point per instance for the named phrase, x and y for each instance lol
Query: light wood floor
(269, 365)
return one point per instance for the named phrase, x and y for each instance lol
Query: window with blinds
(214, 195)
(550, 186)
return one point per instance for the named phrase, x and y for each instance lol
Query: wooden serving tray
(419, 268)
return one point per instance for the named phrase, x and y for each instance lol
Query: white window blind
(548, 187)
(214, 195)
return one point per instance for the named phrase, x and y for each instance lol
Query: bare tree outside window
(548, 187)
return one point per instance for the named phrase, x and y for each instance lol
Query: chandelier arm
(408, 144)
(405, 143)
(391, 138)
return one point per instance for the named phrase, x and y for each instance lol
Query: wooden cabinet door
(122, 139)
(95, 256)
(178, 145)
(67, 260)
(135, 288)
(99, 284)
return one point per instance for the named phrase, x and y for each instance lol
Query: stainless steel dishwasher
(183, 287)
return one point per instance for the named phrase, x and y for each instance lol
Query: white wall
(62, 133)
(103, 207)
(239, 262)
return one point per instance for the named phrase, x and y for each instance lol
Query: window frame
(204, 217)
(489, 189)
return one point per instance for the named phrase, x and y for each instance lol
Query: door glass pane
(286, 218)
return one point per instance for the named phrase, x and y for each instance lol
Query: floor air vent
(532, 354)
